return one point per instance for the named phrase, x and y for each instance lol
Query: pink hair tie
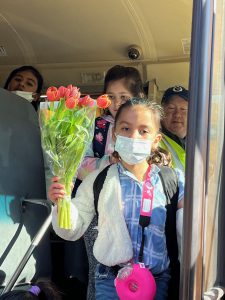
(35, 290)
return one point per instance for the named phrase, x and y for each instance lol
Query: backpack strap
(97, 186)
(169, 181)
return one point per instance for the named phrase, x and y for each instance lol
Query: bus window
(214, 224)
(203, 262)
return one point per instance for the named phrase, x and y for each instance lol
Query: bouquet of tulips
(67, 128)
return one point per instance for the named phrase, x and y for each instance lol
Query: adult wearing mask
(26, 82)
(174, 124)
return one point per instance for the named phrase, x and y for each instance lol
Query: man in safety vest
(174, 124)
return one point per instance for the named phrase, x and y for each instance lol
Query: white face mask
(133, 151)
(29, 96)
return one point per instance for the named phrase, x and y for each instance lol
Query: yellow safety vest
(177, 152)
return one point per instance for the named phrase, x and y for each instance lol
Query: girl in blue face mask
(132, 187)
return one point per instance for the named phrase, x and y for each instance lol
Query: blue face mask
(133, 151)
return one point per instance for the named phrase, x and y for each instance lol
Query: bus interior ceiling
(77, 41)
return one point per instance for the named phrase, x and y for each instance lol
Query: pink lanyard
(146, 209)
(147, 196)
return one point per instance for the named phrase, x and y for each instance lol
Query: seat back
(21, 176)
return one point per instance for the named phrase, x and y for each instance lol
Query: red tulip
(86, 101)
(103, 101)
(52, 94)
(71, 102)
(62, 91)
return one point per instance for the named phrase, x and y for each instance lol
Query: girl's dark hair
(131, 76)
(47, 292)
(31, 69)
(158, 156)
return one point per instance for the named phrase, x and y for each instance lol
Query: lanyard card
(147, 196)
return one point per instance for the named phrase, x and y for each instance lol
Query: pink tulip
(69, 87)
(52, 93)
(72, 91)
(86, 101)
(103, 101)
(71, 102)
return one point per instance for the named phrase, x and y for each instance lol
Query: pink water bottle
(135, 282)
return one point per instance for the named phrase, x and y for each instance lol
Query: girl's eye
(111, 97)
(30, 83)
(124, 128)
(144, 131)
(125, 98)
(18, 79)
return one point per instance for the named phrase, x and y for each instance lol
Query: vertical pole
(197, 150)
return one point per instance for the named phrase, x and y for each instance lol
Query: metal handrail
(192, 264)
(34, 243)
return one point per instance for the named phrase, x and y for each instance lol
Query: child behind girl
(136, 135)
(27, 82)
(43, 290)
(121, 83)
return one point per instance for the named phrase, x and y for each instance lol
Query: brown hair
(160, 157)
(130, 76)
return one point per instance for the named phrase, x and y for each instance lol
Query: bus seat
(21, 176)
